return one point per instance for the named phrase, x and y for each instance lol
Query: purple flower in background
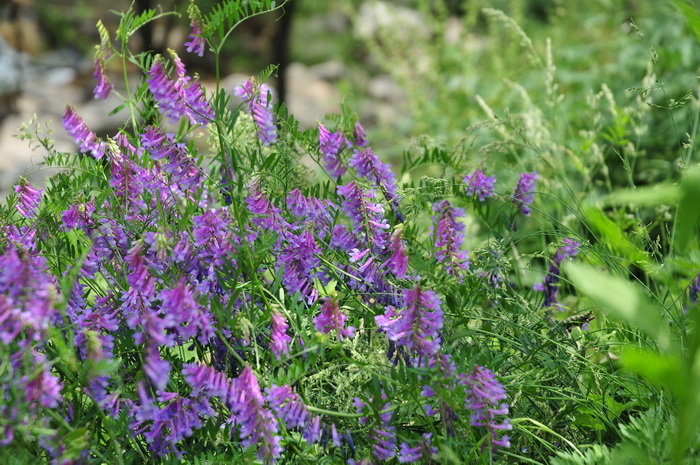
(279, 339)
(417, 326)
(103, 87)
(259, 99)
(299, 260)
(28, 198)
(449, 235)
(525, 192)
(550, 285)
(693, 291)
(480, 184)
(196, 42)
(331, 144)
(331, 318)
(165, 92)
(485, 396)
(78, 130)
(360, 135)
(423, 450)
(379, 174)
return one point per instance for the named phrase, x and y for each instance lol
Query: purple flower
(423, 450)
(343, 239)
(165, 92)
(331, 318)
(379, 174)
(164, 427)
(449, 236)
(693, 291)
(360, 135)
(196, 43)
(180, 166)
(198, 109)
(525, 192)
(398, 262)
(417, 326)
(26, 295)
(78, 130)
(300, 259)
(279, 339)
(128, 181)
(318, 211)
(190, 318)
(269, 215)
(28, 198)
(79, 215)
(478, 183)
(257, 424)
(139, 277)
(157, 369)
(550, 285)
(258, 99)
(484, 399)
(365, 214)
(289, 407)
(103, 87)
(382, 436)
(331, 144)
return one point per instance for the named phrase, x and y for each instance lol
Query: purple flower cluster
(331, 318)
(417, 326)
(366, 215)
(382, 435)
(255, 415)
(485, 396)
(299, 261)
(174, 97)
(259, 99)
(550, 285)
(480, 184)
(368, 165)
(525, 192)
(331, 144)
(28, 198)
(279, 339)
(103, 87)
(421, 451)
(195, 43)
(693, 291)
(449, 236)
(83, 137)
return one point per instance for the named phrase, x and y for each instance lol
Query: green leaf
(688, 210)
(620, 297)
(666, 370)
(646, 196)
(613, 236)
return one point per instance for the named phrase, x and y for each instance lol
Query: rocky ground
(43, 83)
